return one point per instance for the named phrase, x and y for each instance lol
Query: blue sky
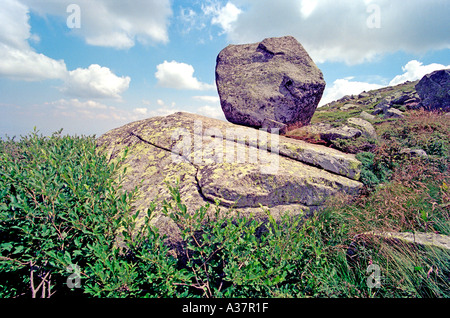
(90, 66)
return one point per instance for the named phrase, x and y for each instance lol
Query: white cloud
(179, 76)
(339, 30)
(307, 7)
(211, 111)
(77, 109)
(77, 104)
(25, 64)
(95, 81)
(415, 70)
(224, 16)
(209, 99)
(19, 61)
(345, 86)
(142, 111)
(14, 27)
(189, 19)
(117, 24)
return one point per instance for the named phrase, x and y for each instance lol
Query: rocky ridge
(355, 117)
(238, 167)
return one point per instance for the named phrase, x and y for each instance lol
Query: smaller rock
(349, 106)
(366, 128)
(382, 107)
(424, 239)
(365, 115)
(414, 152)
(346, 98)
(412, 106)
(343, 132)
(328, 133)
(402, 99)
(271, 125)
(393, 113)
(363, 94)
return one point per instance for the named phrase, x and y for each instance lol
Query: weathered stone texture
(274, 79)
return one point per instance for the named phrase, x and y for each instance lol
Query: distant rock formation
(434, 91)
(273, 83)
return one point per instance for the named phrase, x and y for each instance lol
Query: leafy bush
(65, 223)
(373, 170)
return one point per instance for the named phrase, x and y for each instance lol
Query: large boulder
(275, 79)
(434, 91)
(239, 167)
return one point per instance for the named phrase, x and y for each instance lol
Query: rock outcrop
(328, 133)
(240, 167)
(434, 91)
(366, 127)
(274, 80)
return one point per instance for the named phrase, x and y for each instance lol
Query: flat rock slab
(239, 167)
(425, 239)
(274, 79)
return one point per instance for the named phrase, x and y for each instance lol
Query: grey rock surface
(240, 167)
(274, 79)
(434, 91)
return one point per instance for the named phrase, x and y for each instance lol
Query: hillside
(378, 107)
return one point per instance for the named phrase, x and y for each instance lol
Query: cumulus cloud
(117, 24)
(345, 86)
(224, 16)
(18, 60)
(345, 31)
(211, 108)
(95, 81)
(179, 76)
(15, 29)
(415, 70)
(25, 64)
(211, 111)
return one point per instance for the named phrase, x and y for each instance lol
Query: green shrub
(373, 170)
(60, 214)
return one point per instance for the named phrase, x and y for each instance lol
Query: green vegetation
(67, 228)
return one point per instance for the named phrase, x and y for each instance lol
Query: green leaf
(67, 257)
(18, 249)
(6, 246)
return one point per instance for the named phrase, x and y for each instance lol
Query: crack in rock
(197, 169)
